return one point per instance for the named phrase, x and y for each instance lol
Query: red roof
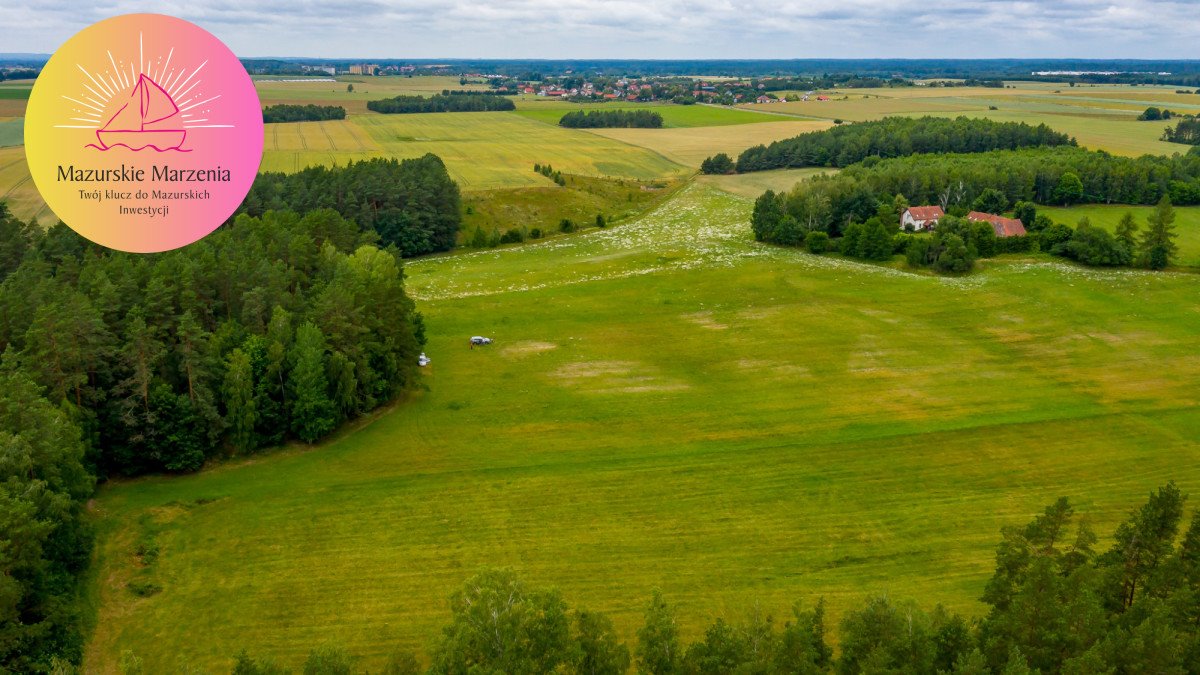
(1004, 227)
(926, 213)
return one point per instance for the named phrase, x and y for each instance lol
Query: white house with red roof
(920, 218)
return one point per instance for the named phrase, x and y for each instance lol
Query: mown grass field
(690, 146)
(668, 404)
(751, 185)
(17, 188)
(481, 150)
(1187, 224)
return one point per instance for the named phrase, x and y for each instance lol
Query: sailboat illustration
(150, 119)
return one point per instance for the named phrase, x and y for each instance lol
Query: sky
(650, 29)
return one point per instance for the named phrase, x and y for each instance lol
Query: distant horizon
(456, 59)
(663, 30)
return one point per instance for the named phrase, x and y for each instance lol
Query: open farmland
(798, 426)
(17, 188)
(481, 150)
(1103, 118)
(690, 146)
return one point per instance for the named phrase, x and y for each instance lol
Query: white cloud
(655, 28)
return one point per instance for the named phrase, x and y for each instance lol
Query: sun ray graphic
(144, 103)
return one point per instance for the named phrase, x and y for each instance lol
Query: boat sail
(149, 118)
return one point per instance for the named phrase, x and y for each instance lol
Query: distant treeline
(411, 204)
(472, 102)
(1062, 175)
(18, 74)
(1185, 131)
(597, 119)
(1058, 601)
(848, 144)
(302, 113)
(478, 92)
(884, 69)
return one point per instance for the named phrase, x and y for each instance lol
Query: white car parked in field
(480, 340)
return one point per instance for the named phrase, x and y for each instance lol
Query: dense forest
(412, 204)
(896, 137)
(272, 328)
(302, 113)
(1059, 601)
(597, 119)
(472, 102)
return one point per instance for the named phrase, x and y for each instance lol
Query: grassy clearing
(483, 151)
(674, 116)
(670, 404)
(1187, 224)
(690, 146)
(751, 185)
(580, 200)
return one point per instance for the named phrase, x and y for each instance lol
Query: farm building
(919, 218)
(1004, 227)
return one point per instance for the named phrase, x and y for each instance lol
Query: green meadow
(669, 404)
(1187, 224)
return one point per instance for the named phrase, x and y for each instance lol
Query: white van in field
(480, 340)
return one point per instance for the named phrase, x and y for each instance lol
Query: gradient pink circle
(148, 93)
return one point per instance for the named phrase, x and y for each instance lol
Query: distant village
(595, 87)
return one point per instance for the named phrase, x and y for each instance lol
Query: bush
(567, 225)
(816, 242)
(143, 589)
(535, 233)
(512, 236)
(719, 163)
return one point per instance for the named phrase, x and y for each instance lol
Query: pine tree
(238, 393)
(310, 410)
(1158, 243)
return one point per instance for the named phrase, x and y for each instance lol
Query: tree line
(284, 112)
(1063, 175)
(453, 102)
(848, 144)
(411, 204)
(1058, 602)
(272, 328)
(1185, 131)
(596, 119)
(796, 219)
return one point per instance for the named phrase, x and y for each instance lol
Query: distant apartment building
(364, 69)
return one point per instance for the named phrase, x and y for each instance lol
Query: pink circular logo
(143, 133)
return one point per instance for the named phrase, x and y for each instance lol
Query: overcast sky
(651, 29)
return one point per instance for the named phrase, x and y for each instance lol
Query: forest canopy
(848, 144)
(597, 119)
(302, 113)
(411, 204)
(454, 102)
